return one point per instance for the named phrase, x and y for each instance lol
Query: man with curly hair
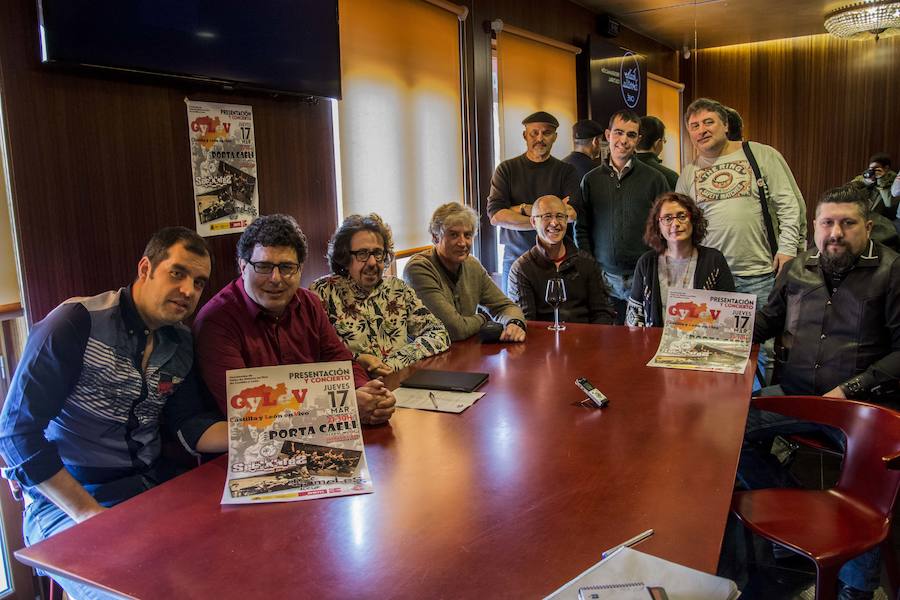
(263, 318)
(382, 321)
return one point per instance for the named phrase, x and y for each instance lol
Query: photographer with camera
(877, 180)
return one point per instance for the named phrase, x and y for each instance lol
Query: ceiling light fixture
(859, 20)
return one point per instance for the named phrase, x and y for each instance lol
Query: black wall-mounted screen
(618, 80)
(283, 46)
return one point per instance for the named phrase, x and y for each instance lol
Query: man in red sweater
(263, 318)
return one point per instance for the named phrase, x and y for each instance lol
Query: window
(400, 120)
(531, 73)
(534, 75)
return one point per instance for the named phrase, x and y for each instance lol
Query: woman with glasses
(382, 321)
(674, 229)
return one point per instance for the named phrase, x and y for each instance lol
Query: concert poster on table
(294, 434)
(706, 330)
(223, 166)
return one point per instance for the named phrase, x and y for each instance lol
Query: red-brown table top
(511, 498)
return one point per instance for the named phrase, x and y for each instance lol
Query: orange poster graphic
(706, 330)
(294, 434)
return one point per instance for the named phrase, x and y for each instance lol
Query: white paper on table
(452, 402)
(628, 565)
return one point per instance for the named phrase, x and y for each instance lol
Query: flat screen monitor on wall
(280, 46)
(618, 80)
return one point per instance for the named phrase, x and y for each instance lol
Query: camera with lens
(869, 174)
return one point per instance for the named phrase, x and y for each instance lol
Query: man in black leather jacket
(837, 310)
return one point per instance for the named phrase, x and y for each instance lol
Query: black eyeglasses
(364, 254)
(681, 217)
(286, 269)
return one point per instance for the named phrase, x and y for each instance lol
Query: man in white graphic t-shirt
(722, 182)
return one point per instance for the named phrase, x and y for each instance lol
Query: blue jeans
(619, 292)
(758, 469)
(43, 519)
(761, 286)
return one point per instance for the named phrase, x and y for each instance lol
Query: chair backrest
(392, 269)
(873, 434)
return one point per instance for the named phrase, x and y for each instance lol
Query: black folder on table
(451, 381)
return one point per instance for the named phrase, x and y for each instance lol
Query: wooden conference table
(511, 498)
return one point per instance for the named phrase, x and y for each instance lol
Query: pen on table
(433, 399)
(629, 543)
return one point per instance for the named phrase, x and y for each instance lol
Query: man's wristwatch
(852, 388)
(517, 322)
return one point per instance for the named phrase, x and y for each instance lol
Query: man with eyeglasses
(518, 182)
(381, 320)
(263, 318)
(555, 257)
(616, 198)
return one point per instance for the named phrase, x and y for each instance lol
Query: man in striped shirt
(80, 428)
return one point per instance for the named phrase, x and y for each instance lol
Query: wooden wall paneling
(98, 162)
(825, 104)
(661, 60)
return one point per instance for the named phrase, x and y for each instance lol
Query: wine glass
(556, 295)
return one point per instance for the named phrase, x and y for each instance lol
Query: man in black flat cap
(519, 181)
(587, 135)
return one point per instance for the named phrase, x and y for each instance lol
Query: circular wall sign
(630, 79)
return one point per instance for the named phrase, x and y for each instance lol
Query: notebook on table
(452, 381)
(627, 570)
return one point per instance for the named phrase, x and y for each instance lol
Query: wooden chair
(832, 526)
(401, 254)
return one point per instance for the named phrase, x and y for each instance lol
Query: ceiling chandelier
(858, 20)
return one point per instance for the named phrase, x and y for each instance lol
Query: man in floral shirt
(382, 321)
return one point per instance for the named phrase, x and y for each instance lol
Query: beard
(838, 262)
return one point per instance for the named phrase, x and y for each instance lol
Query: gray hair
(449, 215)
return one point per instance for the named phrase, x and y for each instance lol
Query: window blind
(534, 76)
(400, 121)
